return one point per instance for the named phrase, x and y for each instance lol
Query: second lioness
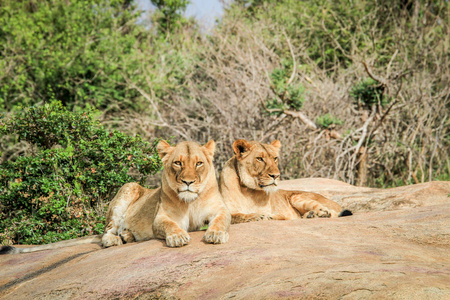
(248, 184)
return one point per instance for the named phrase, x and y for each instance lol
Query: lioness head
(257, 164)
(187, 167)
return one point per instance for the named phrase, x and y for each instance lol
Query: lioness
(188, 199)
(248, 184)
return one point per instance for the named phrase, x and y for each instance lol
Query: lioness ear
(240, 147)
(210, 147)
(163, 149)
(276, 144)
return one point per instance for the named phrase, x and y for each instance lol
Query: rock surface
(396, 246)
(359, 199)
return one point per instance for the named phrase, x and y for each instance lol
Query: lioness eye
(276, 159)
(199, 164)
(178, 163)
(260, 159)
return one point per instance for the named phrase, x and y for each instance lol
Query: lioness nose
(274, 176)
(188, 182)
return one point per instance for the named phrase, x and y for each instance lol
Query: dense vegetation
(58, 190)
(355, 90)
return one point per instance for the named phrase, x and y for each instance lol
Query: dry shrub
(403, 142)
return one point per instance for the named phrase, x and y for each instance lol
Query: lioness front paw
(109, 240)
(321, 213)
(215, 237)
(127, 236)
(178, 239)
(260, 218)
(309, 215)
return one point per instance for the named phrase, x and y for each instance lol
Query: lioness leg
(217, 232)
(309, 205)
(127, 194)
(165, 228)
(276, 217)
(244, 218)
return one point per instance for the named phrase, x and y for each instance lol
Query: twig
(294, 68)
(313, 84)
(381, 119)
(147, 96)
(302, 117)
(68, 198)
(270, 110)
(362, 139)
(390, 62)
(337, 44)
(373, 76)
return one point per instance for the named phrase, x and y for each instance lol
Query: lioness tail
(345, 213)
(8, 250)
(93, 239)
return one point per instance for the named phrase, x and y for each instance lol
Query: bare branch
(388, 69)
(362, 138)
(373, 76)
(383, 117)
(302, 117)
(294, 68)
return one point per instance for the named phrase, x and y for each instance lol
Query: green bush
(288, 96)
(334, 31)
(59, 190)
(329, 29)
(368, 92)
(81, 52)
(326, 120)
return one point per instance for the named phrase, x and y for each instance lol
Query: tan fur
(248, 184)
(188, 199)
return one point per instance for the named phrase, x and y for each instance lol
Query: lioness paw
(256, 217)
(309, 215)
(127, 236)
(178, 239)
(323, 213)
(215, 237)
(109, 240)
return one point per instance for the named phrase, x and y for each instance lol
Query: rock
(395, 246)
(359, 199)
